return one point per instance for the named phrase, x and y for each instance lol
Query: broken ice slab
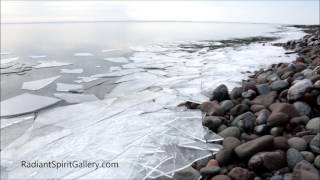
(64, 87)
(109, 50)
(38, 84)
(25, 103)
(117, 73)
(76, 98)
(83, 54)
(48, 64)
(37, 56)
(117, 59)
(5, 122)
(15, 68)
(85, 79)
(8, 60)
(71, 71)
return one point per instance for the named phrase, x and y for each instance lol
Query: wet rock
(315, 144)
(263, 117)
(299, 89)
(187, 174)
(279, 85)
(254, 146)
(276, 177)
(221, 177)
(213, 122)
(209, 171)
(266, 99)
(280, 143)
(227, 105)
(293, 157)
(302, 107)
(230, 143)
(263, 89)
(256, 108)
(308, 156)
(305, 171)
(317, 162)
(224, 156)
(286, 108)
(250, 94)
(236, 93)
(212, 108)
(277, 119)
(221, 128)
(245, 121)
(297, 143)
(239, 109)
(314, 124)
(239, 173)
(261, 129)
(299, 120)
(230, 132)
(273, 160)
(276, 131)
(247, 137)
(220, 93)
(212, 163)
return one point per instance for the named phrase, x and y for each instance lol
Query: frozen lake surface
(136, 122)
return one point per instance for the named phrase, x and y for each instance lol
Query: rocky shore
(271, 124)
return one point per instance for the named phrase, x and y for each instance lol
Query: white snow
(39, 84)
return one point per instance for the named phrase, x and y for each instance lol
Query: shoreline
(271, 124)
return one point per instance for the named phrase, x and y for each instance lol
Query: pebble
(256, 108)
(212, 163)
(302, 107)
(276, 131)
(308, 156)
(221, 177)
(276, 177)
(314, 124)
(315, 144)
(209, 171)
(277, 119)
(266, 99)
(254, 146)
(305, 171)
(317, 162)
(212, 122)
(230, 143)
(239, 173)
(245, 121)
(236, 93)
(297, 91)
(279, 85)
(262, 117)
(187, 174)
(285, 108)
(297, 143)
(239, 109)
(230, 132)
(263, 89)
(220, 93)
(221, 127)
(280, 143)
(212, 108)
(250, 94)
(293, 157)
(273, 160)
(288, 176)
(227, 105)
(261, 129)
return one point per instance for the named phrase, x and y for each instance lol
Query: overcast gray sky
(283, 12)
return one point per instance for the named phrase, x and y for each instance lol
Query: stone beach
(271, 124)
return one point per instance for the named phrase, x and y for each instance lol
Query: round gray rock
(297, 143)
(293, 157)
(314, 124)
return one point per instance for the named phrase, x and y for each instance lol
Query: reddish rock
(286, 108)
(239, 173)
(305, 171)
(212, 108)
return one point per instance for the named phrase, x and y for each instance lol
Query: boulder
(220, 93)
(297, 91)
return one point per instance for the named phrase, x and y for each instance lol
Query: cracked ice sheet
(117, 59)
(48, 64)
(25, 103)
(76, 98)
(145, 145)
(64, 87)
(39, 84)
(71, 71)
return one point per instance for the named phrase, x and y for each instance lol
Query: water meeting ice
(139, 124)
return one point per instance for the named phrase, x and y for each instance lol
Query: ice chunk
(117, 59)
(25, 103)
(76, 98)
(86, 79)
(71, 71)
(37, 56)
(64, 87)
(48, 64)
(83, 54)
(117, 73)
(38, 84)
(8, 60)
(5, 122)
(109, 50)
(114, 68)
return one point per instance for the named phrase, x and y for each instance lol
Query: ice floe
(71, 71)
(110, 50)
(117, 59)
(48, 64)
(117, 73)
(38, 56)
(64, 87)
(39, 84)
(25, 103)
(83, 54)
(86, 79)
(9, 60)
(76, 98)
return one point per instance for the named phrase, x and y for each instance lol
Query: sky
(262, 11)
